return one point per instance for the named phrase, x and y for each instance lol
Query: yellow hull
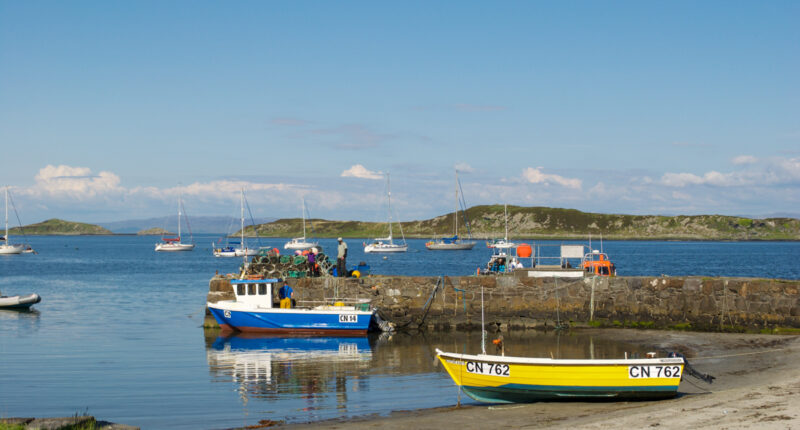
(499, 379)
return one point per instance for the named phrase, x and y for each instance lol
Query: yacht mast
(241, 201)
(505, 210)
(304, 218)
(389, 196)
(455, 214)
(5, 238)
(179, 217)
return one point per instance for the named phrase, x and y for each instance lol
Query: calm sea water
(119, 334)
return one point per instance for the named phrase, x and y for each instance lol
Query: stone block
(692, 285)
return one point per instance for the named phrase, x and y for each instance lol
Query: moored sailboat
(231, 250)
(453, 243)
(173, 244)
(503, 243)
(386, 244)
(301, 243)
(7, 248)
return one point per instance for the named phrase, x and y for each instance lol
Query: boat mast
(389, 196)
(241, 201)
(5, 238)
(455, 214)
(179, 216)
(304, 218)
(505, 210)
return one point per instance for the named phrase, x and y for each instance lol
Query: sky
(109, 110)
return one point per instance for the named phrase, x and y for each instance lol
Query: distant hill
(59, 227)
(200, 224)
(487, 221)
(156, 231)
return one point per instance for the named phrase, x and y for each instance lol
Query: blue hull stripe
(290, 321)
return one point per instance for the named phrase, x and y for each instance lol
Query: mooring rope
(738, 355)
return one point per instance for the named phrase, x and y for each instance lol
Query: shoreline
(757, 386)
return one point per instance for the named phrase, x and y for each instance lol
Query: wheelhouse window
(251, 289)
(262, 289)
(240, 289)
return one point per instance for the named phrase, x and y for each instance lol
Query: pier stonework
(444, 303)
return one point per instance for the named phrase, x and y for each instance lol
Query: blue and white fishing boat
(253, 311)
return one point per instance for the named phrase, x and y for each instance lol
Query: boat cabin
(257, 292)
(597, 263)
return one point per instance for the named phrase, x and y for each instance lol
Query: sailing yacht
(504, 242)
(300, 243)
(236, 251)
(10, 248)
(173, 244)
(453, 243)
(385, 244)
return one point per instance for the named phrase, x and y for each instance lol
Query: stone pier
(511, 302)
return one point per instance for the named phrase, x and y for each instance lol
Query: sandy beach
(757, 386)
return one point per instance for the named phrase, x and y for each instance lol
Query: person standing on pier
(341, 258)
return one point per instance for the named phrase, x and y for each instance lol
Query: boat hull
(174, 247)
(19, 302)
(299, 246)
(11, 249)
(385, 248)
(236, 253)
(460, 246)
(290, 321)
(498, 379)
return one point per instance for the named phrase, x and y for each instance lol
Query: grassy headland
(155, 231)
(59, 227)
(554, 223)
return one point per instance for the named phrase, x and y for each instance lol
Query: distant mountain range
(198, 224)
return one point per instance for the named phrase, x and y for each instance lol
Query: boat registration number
(348, 318)
(492, 369)
(639, 372)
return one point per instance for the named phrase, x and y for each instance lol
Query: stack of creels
(283, 266)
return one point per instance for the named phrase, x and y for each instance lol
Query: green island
(155, 231)
(59, 227)
(488, 221)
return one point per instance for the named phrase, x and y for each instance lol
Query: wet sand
(757, 386)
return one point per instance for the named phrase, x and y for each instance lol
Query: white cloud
(752, 172)
(744, 159)
(464, 168)
(359, 171)
(536, 176)
(74, 182)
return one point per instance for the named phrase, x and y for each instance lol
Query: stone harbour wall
(434, 303)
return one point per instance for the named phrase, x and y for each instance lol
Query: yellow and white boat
(505, 379)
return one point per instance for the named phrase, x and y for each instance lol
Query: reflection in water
(301, 379)
(22, 321)
(274, 367)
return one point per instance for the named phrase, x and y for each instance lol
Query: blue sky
(107, 109)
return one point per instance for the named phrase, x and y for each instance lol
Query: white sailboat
(301, 243)
(10, 248)
(174, 244)
(385, 244)
(503, 243)
(453, 243)
(236, 251)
